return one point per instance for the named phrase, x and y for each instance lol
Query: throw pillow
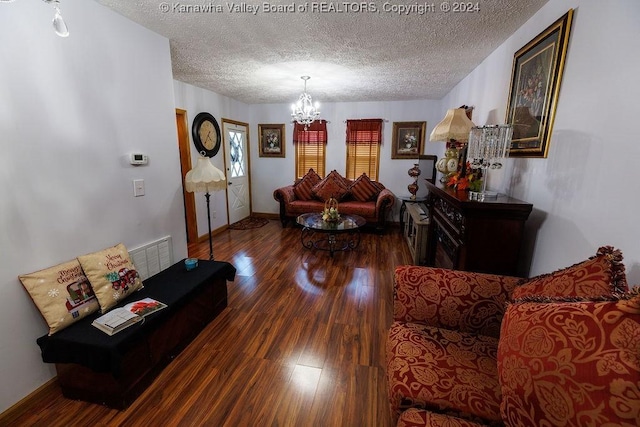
(112, 275)
(571, 363)
(602, 274)
(363, 189)
(302, 189)
(333, 185)
(62, 294)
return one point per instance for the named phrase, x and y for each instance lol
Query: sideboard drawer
(449, 214)
(447, 250)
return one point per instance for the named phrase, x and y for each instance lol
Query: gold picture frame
(407, 139)
(536, 76)
(271, 140)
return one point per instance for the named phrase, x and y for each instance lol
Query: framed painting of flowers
(408, 139)
(271, 137)
(535, 84)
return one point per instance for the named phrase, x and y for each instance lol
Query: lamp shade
(455, 125)
(205, 177)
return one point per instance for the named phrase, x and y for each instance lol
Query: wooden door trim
(184, 147)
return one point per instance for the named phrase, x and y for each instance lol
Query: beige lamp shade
(205, 177)
(455, 125)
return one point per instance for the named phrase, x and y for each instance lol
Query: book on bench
(121, 318)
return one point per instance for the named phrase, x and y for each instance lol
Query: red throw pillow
(602, 274)
(571, 363)
(333, 185)
(363, 189)
(302, 189)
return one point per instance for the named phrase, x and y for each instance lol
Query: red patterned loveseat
(369, 199)
(469, 349)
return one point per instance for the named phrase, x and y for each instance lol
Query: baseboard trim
(9, 416)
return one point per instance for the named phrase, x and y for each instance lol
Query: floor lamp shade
(205, 178)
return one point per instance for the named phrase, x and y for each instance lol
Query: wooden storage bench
(114, 370)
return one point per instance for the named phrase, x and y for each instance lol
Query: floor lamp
(208, 178)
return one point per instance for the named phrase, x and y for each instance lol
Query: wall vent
(153, 257)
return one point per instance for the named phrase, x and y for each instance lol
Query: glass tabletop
(314, 221)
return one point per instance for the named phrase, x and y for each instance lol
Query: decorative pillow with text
(62, 294)
(112, 275)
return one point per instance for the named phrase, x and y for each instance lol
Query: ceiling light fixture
(304, 112)
(59, 25)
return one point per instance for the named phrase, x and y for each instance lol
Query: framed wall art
(407, 139)
(535, 84)
(271, 140)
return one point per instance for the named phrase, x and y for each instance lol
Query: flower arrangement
(410, 140)
(472, 179)
(330, 212)
(272, 139)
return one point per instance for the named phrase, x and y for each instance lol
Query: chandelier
(304, 112)
(59, 26)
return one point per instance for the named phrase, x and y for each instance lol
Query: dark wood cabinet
(470, 235)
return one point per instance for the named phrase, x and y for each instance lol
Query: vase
(414, 173)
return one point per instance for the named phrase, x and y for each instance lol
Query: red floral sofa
(369, 199)
(470, 349)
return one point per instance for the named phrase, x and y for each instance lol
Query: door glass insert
(236, 153)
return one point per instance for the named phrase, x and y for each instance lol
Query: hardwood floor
(301, 342)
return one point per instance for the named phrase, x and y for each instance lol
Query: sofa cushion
(571, 363)
(414, 417)
(441, 370)
(364, 209)
(363, 189)
(62, 294)
(112, 275)
(602, 274)
(461, 300)
(302, 189)
(333, 185)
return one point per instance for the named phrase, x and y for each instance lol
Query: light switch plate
(138, 187)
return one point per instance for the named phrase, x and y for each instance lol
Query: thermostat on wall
(139, 159)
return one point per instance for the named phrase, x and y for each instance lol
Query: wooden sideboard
(469, 235)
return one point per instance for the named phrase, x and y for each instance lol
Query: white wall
(585, 194)
(271, 173)
(71, 110)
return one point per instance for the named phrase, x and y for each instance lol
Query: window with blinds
(363, 148)
(310, 147)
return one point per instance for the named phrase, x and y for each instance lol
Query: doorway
(236, 146)
(190, 221)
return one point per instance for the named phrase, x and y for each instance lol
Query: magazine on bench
(121, 318)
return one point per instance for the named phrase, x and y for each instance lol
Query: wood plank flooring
(301, 342)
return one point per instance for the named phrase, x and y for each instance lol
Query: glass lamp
(488, 147)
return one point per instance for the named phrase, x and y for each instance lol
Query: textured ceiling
(350, 54)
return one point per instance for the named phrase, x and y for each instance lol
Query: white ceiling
(350, 55)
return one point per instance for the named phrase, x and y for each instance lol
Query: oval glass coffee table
(336, 236)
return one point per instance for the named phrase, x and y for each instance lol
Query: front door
(237, 164)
